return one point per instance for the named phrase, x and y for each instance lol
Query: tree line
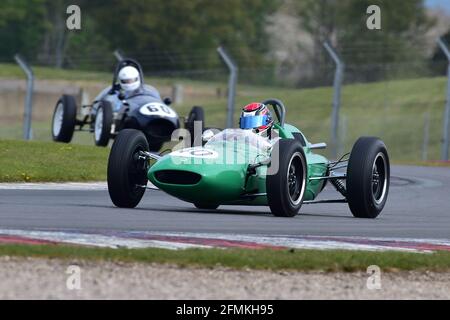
(182, 35)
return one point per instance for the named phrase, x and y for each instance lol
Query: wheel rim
(295, 178)
(137, 169)
(379, 178)
(98, 124)
(58, 119)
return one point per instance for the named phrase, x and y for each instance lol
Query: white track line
(185, 240)
(70, 186)
(96, 240)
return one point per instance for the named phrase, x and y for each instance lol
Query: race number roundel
(198, 152)
(157, 109)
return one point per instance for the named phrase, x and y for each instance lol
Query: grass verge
(13, 71)
(296, 260)
(51, 162)
(38, 161)
(399, 112)
(8, 70)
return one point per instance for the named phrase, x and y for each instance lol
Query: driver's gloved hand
(114, 89)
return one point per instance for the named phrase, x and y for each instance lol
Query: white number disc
(157, 109)
(198, 152)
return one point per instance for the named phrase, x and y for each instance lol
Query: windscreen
(240, 137)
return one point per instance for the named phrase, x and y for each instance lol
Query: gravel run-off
(29, 278)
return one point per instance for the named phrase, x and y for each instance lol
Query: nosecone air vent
(178, 177)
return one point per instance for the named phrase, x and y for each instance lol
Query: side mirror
(167, 101)
(207, 135)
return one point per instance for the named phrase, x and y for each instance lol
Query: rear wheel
(368, 178)
(127, 173)
(197, 114)
(64, 119)
(103, 123)
(286, 187)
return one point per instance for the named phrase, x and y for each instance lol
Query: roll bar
(280, 110)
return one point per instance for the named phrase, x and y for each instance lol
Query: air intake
(178, 177)
(160, 129)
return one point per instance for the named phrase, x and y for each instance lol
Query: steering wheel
(280, 110)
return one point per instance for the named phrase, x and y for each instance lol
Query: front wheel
(127, 172)
(286, 186)
(197, 115)
(103, 123)
(368, 178)
(64, 119)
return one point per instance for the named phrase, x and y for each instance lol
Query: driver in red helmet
(258, 118)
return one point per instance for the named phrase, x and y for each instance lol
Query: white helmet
(130, 79)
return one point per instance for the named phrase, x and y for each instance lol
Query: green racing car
(240, 167)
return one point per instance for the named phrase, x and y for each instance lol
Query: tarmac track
(418, 208)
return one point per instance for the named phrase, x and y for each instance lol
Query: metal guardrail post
(338, 79)
(231, 85)
(446, 129)
(426, 136)
(27, 133)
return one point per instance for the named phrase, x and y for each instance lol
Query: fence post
(343, 134)
(177, 94)
(231, 85)
(27, 133)
(338, 78)
(446, 129)
(119, 55)
(426, 136)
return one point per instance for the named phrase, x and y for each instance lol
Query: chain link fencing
(401, 102)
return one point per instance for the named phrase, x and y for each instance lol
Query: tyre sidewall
(105, 134)
(69, 119)
(359, 177)
(122, 191)
(196, 114)
(277, 184)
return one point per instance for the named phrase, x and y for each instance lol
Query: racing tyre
(286, 186)
(368, 178)
(103, 123)
(206, 206)
(127, 173)
(64, 119)
(196, 114)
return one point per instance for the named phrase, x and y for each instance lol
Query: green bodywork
(227, 182)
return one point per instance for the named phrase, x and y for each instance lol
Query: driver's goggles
(129, 81)
(252, 122)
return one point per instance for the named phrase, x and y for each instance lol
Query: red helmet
(257, 117)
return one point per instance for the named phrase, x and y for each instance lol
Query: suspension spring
(340, 187)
